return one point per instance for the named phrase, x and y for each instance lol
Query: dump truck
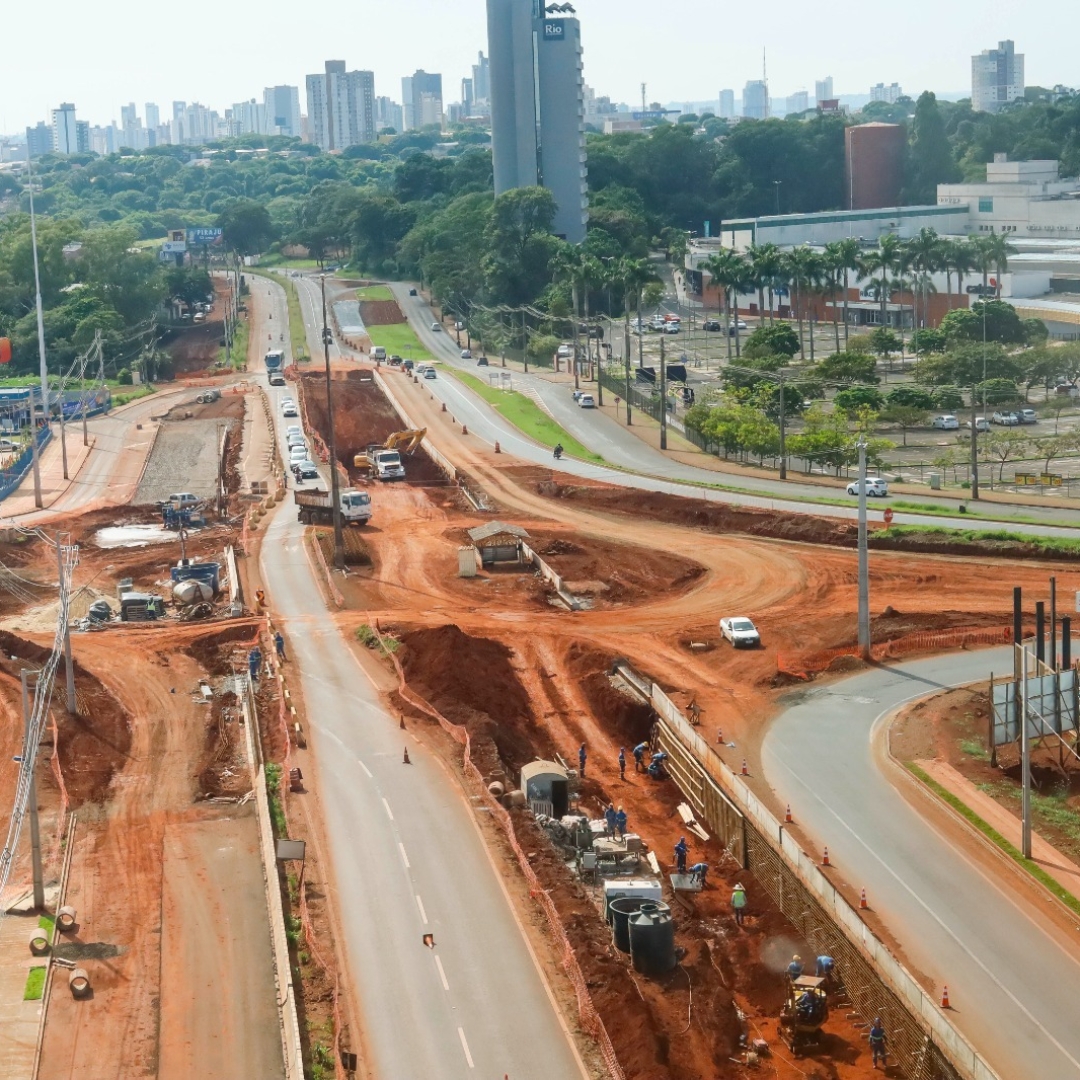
(317, 507)
(385, 464)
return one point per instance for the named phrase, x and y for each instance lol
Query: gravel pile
(184, 459)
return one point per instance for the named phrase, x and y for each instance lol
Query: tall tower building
(727, 104)
(423, 100)
(538, 107)
(755, 100)
(39, 140)
(64, 131)
(153, 116)
(282, 104)
(341, 106)
(823, 90)
(997, 77)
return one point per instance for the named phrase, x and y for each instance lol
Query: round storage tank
(619, 912)
(652, 939)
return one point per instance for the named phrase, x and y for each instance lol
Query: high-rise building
(755, 100)
(891, 93)
(247, 118)
(537, 107)
(128, 116)
(39, 140)
(282, 106)
(65, 131)
(467, 97)
(874, 165)
(799, 102)
(341, 106)
(423, 100)
(481, 79)
(388, 115)
(153, 116)
(727, 104)
(997, 77)
(823, 90)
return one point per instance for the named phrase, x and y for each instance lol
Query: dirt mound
(471, 681)
(362, 415)
(94, 743)
(225, 651)
(617, 710)
(380, 312)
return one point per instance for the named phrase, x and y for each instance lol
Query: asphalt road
(408, 860)
(1011, 979)
(655, 471)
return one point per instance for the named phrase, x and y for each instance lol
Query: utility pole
(1025, 759)
(864, 560)
(783, 432)
(35, 828)
(577, 330)
(974, 447)
(44, 370)
(663, 398)
(335, 486)
(63, 540)
(626, 357)
(525, 341)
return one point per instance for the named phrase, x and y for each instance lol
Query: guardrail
(923, 1040)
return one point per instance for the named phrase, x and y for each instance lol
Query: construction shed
(498, 542)
(546, 787)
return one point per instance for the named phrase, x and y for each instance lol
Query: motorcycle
(558, 452)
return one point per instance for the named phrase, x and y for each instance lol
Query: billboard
(203, 235)
(1051, 706)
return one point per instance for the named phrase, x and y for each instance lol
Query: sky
(101, 56)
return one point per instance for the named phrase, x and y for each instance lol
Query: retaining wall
(549, 575)
(924, 1042)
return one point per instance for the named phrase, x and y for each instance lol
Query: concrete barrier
(549, 575)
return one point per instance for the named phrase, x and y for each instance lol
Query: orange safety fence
(921, 641)
(589, 1018)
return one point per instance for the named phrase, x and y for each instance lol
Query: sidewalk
(51, 466)
(19, 1019)
(1063, 870)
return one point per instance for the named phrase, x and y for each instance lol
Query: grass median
(527, 417)
(999, 841)
(375, 292)
(1049, 545)
(400, 339)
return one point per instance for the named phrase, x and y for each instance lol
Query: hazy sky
(102, 55)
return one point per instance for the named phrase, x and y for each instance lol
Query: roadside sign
(888, 515)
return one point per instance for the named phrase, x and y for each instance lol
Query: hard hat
(739, 888)
(796, 957)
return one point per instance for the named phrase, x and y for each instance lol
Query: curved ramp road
(409, 860)
(1012, 979)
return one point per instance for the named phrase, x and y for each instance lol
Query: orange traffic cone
(945, 998)
(498, 449)
(406, 761)
(402, 724)
(443, 407)
(825, 858)
(862, 901)
(719, 735)
(745, 768)
(464, 429)
(787, 813)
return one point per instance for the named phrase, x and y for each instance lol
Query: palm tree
(799, 265)
(926, 257)
(732, 274)
(997, 250)
(962, 258)
(634, 275)
(881, 261)
(832, 266)
(850, 261)
(574, 265)
(765, 260)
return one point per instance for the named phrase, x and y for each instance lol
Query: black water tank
(619, 912)
(652, 939)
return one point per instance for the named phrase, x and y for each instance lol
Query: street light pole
(777, 184)
(44, 370)
(864, 560)
(32, 804)
(335, 487)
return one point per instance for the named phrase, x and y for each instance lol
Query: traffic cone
(406, 761)
(945, 998)
(719, 735)
(402, 724)
(787, 813)
(498, 450)
(825, 858)
(464, 429)
(863, 905)
(443, 407)
(745, 768)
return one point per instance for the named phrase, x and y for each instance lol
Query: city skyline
(624, 40)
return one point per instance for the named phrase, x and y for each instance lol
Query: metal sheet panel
(1050, 710)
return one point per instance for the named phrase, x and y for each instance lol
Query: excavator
(405, 441)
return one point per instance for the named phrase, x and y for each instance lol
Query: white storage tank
(648, 889)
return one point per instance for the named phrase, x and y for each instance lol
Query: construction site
(564, 632)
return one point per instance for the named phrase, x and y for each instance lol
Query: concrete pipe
(39, 941)
(496, 788)
(79, 982)
(65, 919)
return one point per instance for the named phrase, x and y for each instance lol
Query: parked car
(672, 328)
(946, 422)
(740, 631)
(459, 325)
(672, 317)
(712, 326)
(586, 401)
(183, 500)
(1005, 419)
(981, 423)
(1028, 416)
(875, 487)
(736, 324)
(564, 351)
(466, 354)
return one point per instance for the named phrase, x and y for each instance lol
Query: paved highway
(408, 860)
(1011, 978)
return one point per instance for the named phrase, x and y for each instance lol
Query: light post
(776, 184)
(335, 487)
(864, 560)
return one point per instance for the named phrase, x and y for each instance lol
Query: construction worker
(620, 823)
(795, 968)
(877, 1043)
(260, 600)
(681, 851)
(738, 904)
(581, 760)
(622, 763)
(254, 663)
(823, 967)
(639, 756)
(698, 872)
(609, 817)
(279, 644)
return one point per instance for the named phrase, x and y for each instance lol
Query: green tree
(905, 417)
(883, 341)
(847, 367)
(927, 340)
(777, 339)
(948, 399)
(929, 159)
(853, 398)
(911, 397)
(246, 227)
(1003, 445)
(997, 392)
(520, 245)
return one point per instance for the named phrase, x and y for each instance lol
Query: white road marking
(401, 848)
(442, 975)
(389, 812)
(465, 1047)
(364, 767)
(423, 913)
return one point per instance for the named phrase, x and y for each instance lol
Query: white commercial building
(1026, 199)
(890, 94)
